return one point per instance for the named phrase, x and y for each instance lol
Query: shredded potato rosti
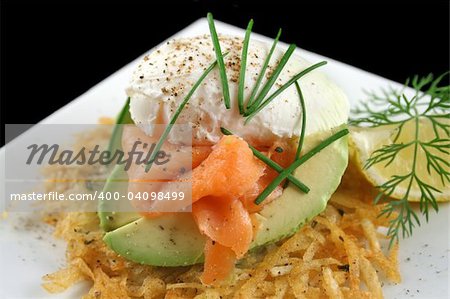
(339, 254)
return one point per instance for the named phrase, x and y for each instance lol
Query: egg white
(162, 79)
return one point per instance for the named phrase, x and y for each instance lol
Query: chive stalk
(175, 116)
(302, 133)
(272, 164)
(219, 59)
(282, 88)
(273, 78)
(284, 174)
(263, 70)
(243, 67)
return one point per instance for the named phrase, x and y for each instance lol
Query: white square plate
(29, 251)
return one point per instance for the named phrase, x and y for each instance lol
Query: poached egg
(163, 78)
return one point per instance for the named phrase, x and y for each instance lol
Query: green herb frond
(301, 139)
(430, 101)
(263, 70)
(269, 99)
(391, 106)
(177, 113)
(294, 165)
(243, 67)
(272, 164)
(220, 62)
(273, 78)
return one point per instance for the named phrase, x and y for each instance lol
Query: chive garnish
(273, 78)
(272, 164)
(177, 113)
(263, 70)
(219, 59)
(282, 88)
(302, 133)
(243, 66)
(283, 175)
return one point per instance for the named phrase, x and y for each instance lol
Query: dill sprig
(243, 67)
(219, 58)
(427, 101)
(177, 113)
(274, 165)
(430, 101)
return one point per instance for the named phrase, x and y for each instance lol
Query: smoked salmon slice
(225, 181)
(283, 153)
(226, 221)
(200, 153)
(219, 263)
(230, 170)
(227, 174)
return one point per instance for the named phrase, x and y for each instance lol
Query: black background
(51, 53)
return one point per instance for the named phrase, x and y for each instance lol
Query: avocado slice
(171, 240)
(144, 241)
(123, 118)
(109, 218)
(116, 182)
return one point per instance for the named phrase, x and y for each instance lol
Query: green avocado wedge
(109, 218)
(322, 173)
(170, 240)
(123, 118)
(116, 182)
(174, 240)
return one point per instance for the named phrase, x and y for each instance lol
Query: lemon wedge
(390, 156)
